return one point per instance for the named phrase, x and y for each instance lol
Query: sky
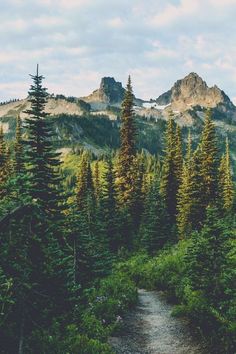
(77, 42)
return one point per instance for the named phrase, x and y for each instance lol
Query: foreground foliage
(198, 274)
(66, 223)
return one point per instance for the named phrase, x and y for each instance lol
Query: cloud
(77, 42)
(172, 13)
(48, 21)
(115, 22)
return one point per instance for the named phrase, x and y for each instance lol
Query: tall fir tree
(2, 148)
(91, 245)
(172, 168)
(127, 152)
(185, 194)
(4, 162)
(85, 183)
(96, 181)
(126, 168)
(209, 161)
(137, 197)
(206, 256)
(43, 161)
(226, 190)
(154, 230)
(178, 155)
(18, 148)
(109, 207)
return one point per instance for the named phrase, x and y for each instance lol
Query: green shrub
(71, 342)
(107, 303)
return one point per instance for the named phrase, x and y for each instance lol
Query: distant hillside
(93, 121)
(188, 98)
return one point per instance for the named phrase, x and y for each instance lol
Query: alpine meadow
(117, 214)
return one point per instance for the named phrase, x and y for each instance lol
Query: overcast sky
(76, 42)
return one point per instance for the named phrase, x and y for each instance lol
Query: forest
(80, 234)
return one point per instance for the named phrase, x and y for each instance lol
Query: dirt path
(150, 329)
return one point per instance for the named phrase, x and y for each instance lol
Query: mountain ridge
(186, 95)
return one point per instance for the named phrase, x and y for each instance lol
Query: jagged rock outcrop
(110, 93)
(193, 91)
(188, 98)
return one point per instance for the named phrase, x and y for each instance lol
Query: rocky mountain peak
(111, 90)
(110, 93)
(193, 91)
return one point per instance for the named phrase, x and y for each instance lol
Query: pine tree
(109, 208)
(91, 245)
(4, 164)
(96, 181)
(154, 232)
(127, 153)
(178, 156)
(43, 161)
(85, 182)
(8, 163)
(18, 161)
(2, 148)
(185, 194)
(172, 169)
(209, 161)
(226, 191)
(137, 197)
(126, 176)
(207, 256)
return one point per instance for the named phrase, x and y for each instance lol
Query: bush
(72, 342)
(170, 271)
(115, 295)
(100, 316)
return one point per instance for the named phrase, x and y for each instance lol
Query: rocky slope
(188, 98)
(54, 106)
(110, 93)
(92, 120)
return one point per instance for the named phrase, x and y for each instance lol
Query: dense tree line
(58, 240)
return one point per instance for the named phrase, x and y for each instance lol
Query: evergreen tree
(4, 164)
(127, 153)
(209, 161)
(178, 156)
(226, 190)
(96, 181)
(172, 169)
(43, 161)
(191, 199)
(186, 194)
(109, 207)
(206, 256)
(85, 182)
(19, 160)
(137, 197)
(126, 177)
(2, 148)
(154, 231)
(8, 163)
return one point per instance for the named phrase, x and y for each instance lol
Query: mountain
(189, 97)
(110, 93)
(56, 105)
(193, 91)
(92, 121)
